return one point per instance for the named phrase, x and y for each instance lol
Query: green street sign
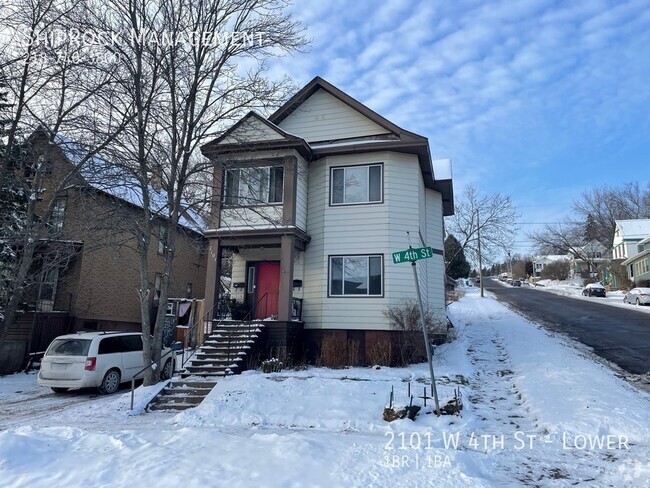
(411, 255)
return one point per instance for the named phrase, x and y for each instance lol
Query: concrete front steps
(182, 393)
(223, 353)
(225, 350)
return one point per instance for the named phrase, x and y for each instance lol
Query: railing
(217, 311)
(135, 376)
(245, 323)
(221, 311)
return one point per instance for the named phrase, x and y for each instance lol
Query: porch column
(286, 278)
(213, 274)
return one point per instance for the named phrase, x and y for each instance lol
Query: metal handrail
(207, 317)
(246, 322)
(135, 376)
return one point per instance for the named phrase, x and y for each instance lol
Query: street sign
(411, 255)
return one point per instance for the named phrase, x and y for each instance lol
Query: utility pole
(480, 263)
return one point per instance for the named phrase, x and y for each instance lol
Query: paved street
(616, 334)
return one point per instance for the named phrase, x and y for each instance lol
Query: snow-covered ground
(538, 412)
(574, 290)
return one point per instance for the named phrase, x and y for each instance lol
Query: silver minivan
(96, 360)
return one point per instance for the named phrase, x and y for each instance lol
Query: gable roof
(230, 142)
(634, 228)
(550, 258)
(120, 183)
(396, 139)
(319, 83)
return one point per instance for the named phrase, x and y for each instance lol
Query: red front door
(267, 290)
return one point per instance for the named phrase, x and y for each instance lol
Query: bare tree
(53, 88)
(494, 217)
(594, 219)
(599, 207)
(193, 67)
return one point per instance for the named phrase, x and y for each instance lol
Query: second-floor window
(356, 184)
(58, 214)
(254, 186)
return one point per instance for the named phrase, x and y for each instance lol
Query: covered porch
(266, 279)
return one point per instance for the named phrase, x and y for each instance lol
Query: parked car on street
(637, 296)
(594, 290)
(516, 282)
(100, 360)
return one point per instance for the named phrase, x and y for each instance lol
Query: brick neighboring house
(94, 286)
(313, 201)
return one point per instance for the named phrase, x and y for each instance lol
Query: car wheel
(56, 389)
(167, 371)
(110, 383)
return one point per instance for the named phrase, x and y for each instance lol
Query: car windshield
(68, 347)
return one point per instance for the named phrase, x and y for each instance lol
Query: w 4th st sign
(411, 255)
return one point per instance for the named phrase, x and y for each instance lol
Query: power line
(545, 205)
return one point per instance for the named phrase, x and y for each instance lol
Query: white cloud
(501, 88)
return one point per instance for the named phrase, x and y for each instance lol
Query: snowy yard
(537, 412)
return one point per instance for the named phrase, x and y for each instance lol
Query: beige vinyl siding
(422, 240)
(258, 217)
(301, 194)
(436, 266)
(252, 130)
(402, 184)
(315, 281)
(323, 117)
(361, 229)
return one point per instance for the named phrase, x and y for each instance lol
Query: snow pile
(574, 290)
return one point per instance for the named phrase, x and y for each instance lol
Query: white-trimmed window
(254, 186)
(356, 275)
(350, 185)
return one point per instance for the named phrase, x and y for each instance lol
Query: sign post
(412, 255)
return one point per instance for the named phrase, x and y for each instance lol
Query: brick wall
(100, 284)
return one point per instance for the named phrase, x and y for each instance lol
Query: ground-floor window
(356, 275)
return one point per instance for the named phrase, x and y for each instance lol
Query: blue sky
(537, 99)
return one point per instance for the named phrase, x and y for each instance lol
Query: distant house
(588, 260)
(540, 262)
(313, 201)
(627, 235)
(88, 268)
(638, 265)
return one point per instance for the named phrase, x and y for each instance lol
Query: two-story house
(587, 260)
(627, 235)
(638, 265)
(540, 262)
(87, 269)
(313, 201)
